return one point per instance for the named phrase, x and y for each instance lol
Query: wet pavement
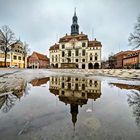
(72, 108)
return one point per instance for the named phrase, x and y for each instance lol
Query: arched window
(63, 53)
(96, 58)
(90, 58)
(77, 52)
(52, 58)
(69, 53)
(83, 60)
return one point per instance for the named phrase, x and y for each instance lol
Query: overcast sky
(42, 22)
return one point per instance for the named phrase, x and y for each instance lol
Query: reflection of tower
(75, 91)
(74, 113)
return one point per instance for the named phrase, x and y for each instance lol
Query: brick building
(119, 58)
(132, 60)
(37, 60)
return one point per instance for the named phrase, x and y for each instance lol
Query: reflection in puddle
(126, 86)
(39, 82)
(133, 99)
(134, 102)
(75, 91)
(7, 101)
(68, 107)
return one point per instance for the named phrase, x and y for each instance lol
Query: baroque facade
(75, 50)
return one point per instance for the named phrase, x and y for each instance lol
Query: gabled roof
(17, 42)
(122, 53)
(79, 37)
(41, 56)
(54, 47)
(132, 54)
(94, 43)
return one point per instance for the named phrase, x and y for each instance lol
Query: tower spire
(74, 26)
(75, 11)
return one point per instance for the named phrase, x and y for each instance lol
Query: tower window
(76, 60)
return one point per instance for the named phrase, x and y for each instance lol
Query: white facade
(75, 87)
(75, 50)
(82, 53)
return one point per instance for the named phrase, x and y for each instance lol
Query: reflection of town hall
(75, 50)
(75, 91)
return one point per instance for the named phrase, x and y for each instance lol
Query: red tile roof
(94, 43)
(41, 56)
(54, 47)
(79, 37)
(132, 54)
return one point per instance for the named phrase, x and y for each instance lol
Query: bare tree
(134, 102)
(6, 39)
(112, 60)
(134, 38)
(26, 51)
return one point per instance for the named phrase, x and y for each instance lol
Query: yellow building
(17, 55)
(2, 58)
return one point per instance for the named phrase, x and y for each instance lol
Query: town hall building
(75, 50)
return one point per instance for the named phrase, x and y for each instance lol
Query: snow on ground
(16, 79)
(4, 71)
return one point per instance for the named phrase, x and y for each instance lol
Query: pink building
(37, 60)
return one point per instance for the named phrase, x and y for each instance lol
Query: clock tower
(74, 26)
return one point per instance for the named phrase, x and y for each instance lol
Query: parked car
(15, 67)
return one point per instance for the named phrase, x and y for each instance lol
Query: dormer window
(83, 44)
(63, 46)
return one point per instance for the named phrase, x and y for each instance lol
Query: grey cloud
(41, 23)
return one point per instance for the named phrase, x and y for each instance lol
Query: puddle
(72, 108)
